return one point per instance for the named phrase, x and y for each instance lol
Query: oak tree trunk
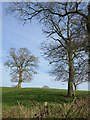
(75, 86)
(71, 75)
(88, 46)
(20, 78)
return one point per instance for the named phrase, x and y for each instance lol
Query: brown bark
(20, 78)
(71, 75)
(18, 85)
(75, 86)
(88, 47)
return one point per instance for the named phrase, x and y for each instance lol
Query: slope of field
(10, 96)
(31, 97)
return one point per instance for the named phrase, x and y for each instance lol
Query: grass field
(29, 102)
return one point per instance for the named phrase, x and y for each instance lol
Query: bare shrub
(75, 109)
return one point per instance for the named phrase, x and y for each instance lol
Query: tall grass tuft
(75, 109)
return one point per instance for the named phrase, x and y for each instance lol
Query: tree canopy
(65, 24)
(22, 65)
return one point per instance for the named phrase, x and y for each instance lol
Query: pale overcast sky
(17, 35)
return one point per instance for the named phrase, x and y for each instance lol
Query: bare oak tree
(22, 65)
(61, 22)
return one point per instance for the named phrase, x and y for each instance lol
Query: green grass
(10, 96)
(28, 97)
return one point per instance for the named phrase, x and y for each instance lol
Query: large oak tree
(63, 24)
(22, 65)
